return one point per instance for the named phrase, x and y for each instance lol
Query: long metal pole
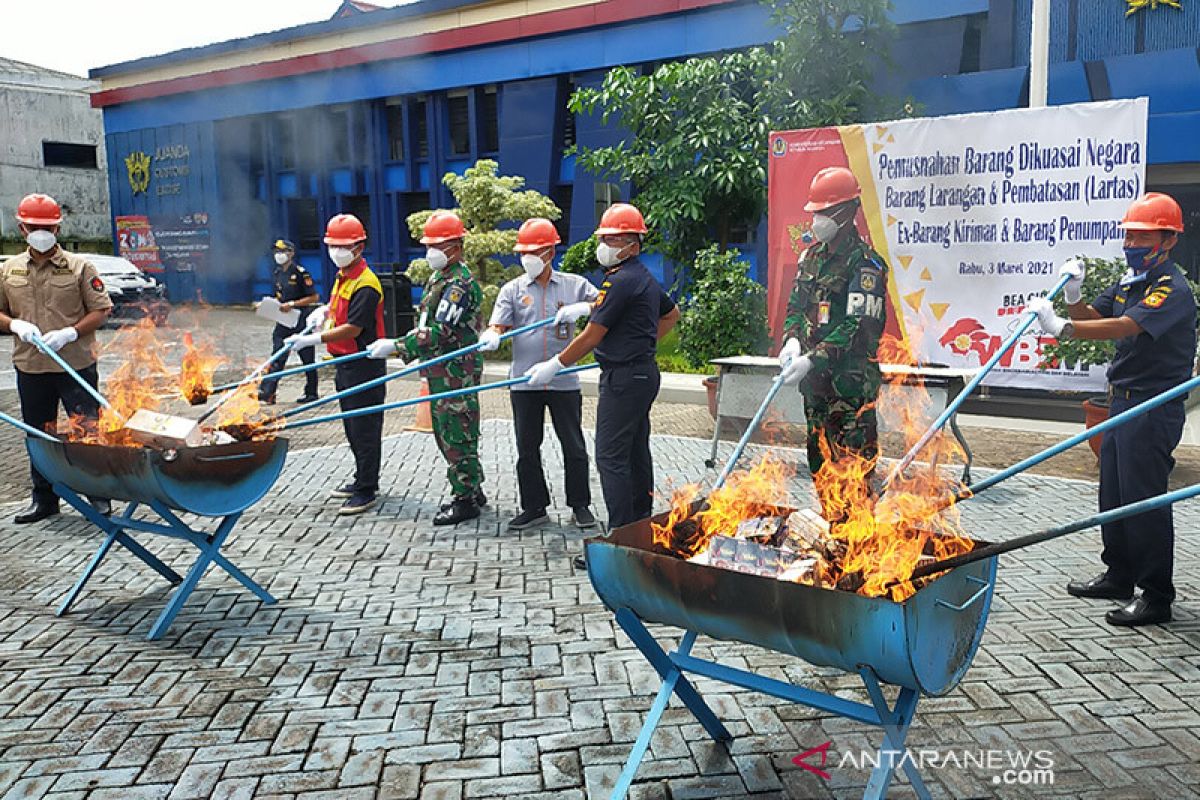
(28, 429)
(411, 368)
(1039, 54)
(952, 406)
(67, 368)
(776, 385)
(429, 398)
(329, 362)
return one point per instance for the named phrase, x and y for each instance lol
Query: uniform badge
(526, 300)
(867, 281)
(823, 312)
(600, 298)
(98, 284)
(454, 294)
(1156, 298)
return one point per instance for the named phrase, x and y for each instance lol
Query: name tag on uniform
(823, 312)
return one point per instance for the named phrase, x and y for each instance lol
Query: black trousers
(365, 433)
(623, 440)
(1135, 463)
(40, 394)
(307, 356)
(529, 419)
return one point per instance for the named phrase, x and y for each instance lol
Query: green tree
(696, 147)
(726, 313)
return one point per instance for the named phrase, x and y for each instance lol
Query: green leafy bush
(726, 313)
(580, 258)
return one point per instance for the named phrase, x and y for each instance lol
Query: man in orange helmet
(541, 292)
(353, 321)
(630, 314)
(49, 293)
(1151, 314)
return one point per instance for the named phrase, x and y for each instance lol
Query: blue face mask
(1141, 259)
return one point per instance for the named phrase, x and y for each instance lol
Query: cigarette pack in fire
(163, 431)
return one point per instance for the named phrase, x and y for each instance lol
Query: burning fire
(871, 543)
(200, 364)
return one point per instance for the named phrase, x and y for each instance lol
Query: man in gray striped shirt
(540, 293)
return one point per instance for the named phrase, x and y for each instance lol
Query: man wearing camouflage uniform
(450, 317)
(835, 317)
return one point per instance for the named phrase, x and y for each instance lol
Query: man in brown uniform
(58, 296)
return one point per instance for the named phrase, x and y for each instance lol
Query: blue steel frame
(895, 720)
(115, 527)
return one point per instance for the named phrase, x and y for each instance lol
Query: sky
(77, 35)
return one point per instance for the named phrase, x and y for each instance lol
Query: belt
(1115, 393)
(631, 363)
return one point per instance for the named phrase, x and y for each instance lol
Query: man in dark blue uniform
(1151, 313)
(294, 289)
(629, 316)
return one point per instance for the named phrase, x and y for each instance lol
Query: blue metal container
(925, 643)
(213, 481)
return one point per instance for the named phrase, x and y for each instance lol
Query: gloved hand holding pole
(41, 344)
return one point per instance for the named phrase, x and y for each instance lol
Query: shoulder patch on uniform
(600, 298)
(1156, 297)
(97, 284)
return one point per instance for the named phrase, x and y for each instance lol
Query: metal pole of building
(1039, 53)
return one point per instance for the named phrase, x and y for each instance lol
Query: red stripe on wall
(567, 19)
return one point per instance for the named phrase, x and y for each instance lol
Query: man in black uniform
(294, 289)
(631, 313)
(1151, 313)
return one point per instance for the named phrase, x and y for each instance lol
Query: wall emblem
(137, 164)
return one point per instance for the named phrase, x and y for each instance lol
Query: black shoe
(346, 491)
(583, 517)
(1101, 587)
(460, 510)
(480, 500)
(579, 563)
(527, 519)
(1139, 612)
(358, 503)
(103, 507)
(308, 398)
(37, 511)
(266, 399)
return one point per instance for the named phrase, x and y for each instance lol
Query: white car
(134, 293)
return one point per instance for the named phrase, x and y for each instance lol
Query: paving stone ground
(404, 661)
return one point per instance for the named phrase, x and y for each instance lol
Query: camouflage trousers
(841, 430)
(456, 430)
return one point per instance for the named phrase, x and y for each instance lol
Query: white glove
(790, 351)
(382, 348)
(1073, 289)
(299, 341)
(796, 368)
(541, 374)
(573, 313)
(489, 340)
(57, 340)
(25, 331)
(316, 320)
(1051, 322)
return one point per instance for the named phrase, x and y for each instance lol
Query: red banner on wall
(136, 244)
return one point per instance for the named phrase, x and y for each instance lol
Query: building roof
(20, 73)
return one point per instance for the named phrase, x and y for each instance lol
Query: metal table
(744, 381)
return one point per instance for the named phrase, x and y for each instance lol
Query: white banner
(980, 210)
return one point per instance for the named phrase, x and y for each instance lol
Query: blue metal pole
(410, 369)
(415, 401)
(67, 368)
(953, 405)
(284, 373)
(776, 385)
(29, 429)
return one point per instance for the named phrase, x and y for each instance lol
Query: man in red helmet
(58, 296)
(630, 314)
(354, 320)
(1151, 314)
(539, 293)
(835, 318)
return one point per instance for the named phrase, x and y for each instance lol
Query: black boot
(1139, 612)
(480, 500)
(460, 510)
(37, 511)
(1102, 587)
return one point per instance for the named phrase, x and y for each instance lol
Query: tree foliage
(580, 258)
(726, 314)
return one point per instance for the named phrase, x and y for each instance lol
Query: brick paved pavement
(408, 662)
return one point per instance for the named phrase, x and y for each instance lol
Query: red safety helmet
(536, 234)
(345, 229)
(39, 209)
(831, 187)
(621, 218)
(1154, 211)
(443, 226)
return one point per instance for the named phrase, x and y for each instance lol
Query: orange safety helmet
(536, 234)
(39, 209)
(831, 187)
(621, 218)
(443, 226)
(1154, 211)
(345, 229)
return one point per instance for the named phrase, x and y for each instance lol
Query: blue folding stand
(895, 721)
(209, 546)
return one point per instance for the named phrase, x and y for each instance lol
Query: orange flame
(196, 371)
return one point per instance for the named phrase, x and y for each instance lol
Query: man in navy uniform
(1151, 313)
(294, 289)
(629, 316)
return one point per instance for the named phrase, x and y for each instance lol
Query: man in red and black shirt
(355, 319)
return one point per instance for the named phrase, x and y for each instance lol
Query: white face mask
(42, 241)
(533, 265)
(824, 228)
(436, 258)
(282, 258)
(342, 256)
(608, 255)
